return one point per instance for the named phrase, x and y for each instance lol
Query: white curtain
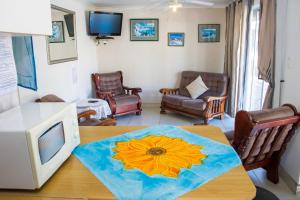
(266, 46)
(236, 51)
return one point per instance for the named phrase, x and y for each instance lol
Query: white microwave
(35, 140)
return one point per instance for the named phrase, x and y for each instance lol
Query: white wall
(291, 71)
(153, 65)
(23, 16)
(69, 80)
(281, 43)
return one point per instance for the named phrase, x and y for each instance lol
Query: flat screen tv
(105, 23)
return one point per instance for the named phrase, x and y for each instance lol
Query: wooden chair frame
(259, 136)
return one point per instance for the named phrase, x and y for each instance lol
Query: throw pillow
(197, 87)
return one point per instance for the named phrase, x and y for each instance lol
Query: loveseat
(207, 106)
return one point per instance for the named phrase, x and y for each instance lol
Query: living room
(220, 41)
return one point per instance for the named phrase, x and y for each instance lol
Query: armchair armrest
(166, 91)
(86, 114)
(211, 98)
(133, 90)
(215, 106)
(109, 97)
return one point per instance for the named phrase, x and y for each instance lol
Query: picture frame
(209, 33)
(144, 29)
(176, 39)
(58, 33)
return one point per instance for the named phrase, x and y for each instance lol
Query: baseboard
(295, 187)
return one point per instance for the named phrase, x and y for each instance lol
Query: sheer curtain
(255, 88)
(266, 46)
(237, 14)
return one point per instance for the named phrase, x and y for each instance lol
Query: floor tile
(149, 117)
(281, 190)
(123, 120)
(228, 123)
(174, 119)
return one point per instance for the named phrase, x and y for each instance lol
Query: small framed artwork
(58, 34)
(209, 33)
(176, 39)
(144, 29)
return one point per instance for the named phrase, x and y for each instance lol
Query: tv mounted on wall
(105, 24)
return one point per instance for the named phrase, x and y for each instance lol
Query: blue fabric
(25, 63)
(134, 184)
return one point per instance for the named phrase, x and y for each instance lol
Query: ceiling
(150, 3)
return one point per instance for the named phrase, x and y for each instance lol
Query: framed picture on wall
(58, 34)
(209, 33)
(176, 39)
(144, 29)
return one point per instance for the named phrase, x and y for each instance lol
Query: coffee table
(73, 180)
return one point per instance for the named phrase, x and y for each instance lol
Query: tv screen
(105, 24)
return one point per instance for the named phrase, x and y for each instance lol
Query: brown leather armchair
(121, 99)
(260, 137)
(84, 118)
(207, 106)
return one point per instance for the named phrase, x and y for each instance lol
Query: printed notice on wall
(8, 73)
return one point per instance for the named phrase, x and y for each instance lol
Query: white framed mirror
(62, 45)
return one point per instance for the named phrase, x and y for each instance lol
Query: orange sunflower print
(158, 155)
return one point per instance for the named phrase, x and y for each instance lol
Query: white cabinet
(26, 17)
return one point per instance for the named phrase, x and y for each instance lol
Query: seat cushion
(174, 99)
(195, 104)
(124, 100)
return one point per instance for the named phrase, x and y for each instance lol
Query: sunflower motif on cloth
(158, 155)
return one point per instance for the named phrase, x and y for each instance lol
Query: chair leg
(111, 116)
(138, 113)
(162, 110)
(205, 121)
(221, 117)
(272, 174)
(272, 170)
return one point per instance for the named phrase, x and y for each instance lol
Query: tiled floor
(151, 116)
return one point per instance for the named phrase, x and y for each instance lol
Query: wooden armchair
(207, 106)
(121, 99)
(84, 118)
(260, 138)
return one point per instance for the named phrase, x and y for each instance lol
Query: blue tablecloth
(124, 183)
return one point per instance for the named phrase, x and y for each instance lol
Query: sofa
(209, 105)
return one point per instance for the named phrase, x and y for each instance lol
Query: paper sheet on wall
(8, 74)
